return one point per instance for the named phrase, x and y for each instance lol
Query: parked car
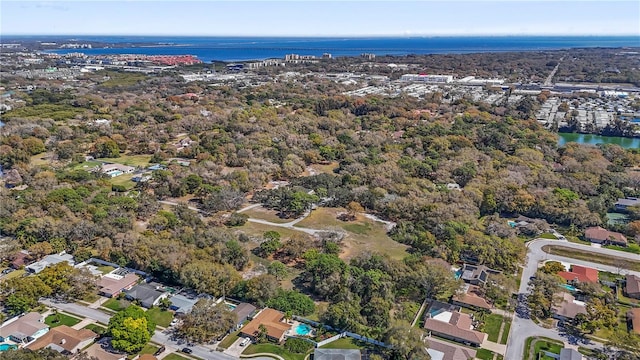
(186, 350)
(245, 342)
(159, 351)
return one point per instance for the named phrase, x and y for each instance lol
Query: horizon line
(339, 35)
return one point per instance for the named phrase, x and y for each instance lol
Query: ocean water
(255, 48)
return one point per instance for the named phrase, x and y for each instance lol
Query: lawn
(130, 160)
(63, 320)
(161, 317)
(257, 230)
(540, 343)
(272, 349)
(505, 332)
(87, 165)
(589, 256)
(266, 214)
(484, 354)
(492, 325)
(116, 305)
(362, 234)
(174, 356)
(96, 328)
(123, 180)
(149, 349)
(105, 269)
(342, 343)
(632, 248)
(548, 236)
(229, 340)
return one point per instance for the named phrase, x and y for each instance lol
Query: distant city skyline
(320, 18)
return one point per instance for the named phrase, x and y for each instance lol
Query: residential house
(570, 354)
(36, 267)
(96, 351)
(336, 354)
(632, 286)
(20, 259)
(471, 298)
(454, 326)
(113, 170)
(147, 294)
(568, 308)
(243, 312)
(476, 274)
(603, 236)
(23, 329)
(580, 274)
(64, 340)
(440, 350)
(182, 304)
(272, 321)
(633, 318)
(117, 281)
(625, 204)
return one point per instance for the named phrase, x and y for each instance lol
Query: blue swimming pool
(5, 347)
(569, 287)
(303, 329)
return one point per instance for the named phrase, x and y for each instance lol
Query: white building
(442, 79)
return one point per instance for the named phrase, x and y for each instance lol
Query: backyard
(342, 343)
(534, 345)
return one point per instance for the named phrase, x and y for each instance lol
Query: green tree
(406, 343)
(130, 329)
(209, 277)
(262, 334)
(291, 300)
(278, 269)
(552, 267)
(106, 148)
(206, 321)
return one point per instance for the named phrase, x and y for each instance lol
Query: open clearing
(362, 234)
(266, 214)
(589, 256)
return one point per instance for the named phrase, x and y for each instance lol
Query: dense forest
(391, 157)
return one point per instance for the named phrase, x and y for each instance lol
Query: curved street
(522, 328)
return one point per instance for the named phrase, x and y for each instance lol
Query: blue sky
(320, 18)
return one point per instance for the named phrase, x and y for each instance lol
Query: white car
(245, 342)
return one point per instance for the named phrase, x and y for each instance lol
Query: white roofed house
(23, 329)
(36, 267)
(113, 170)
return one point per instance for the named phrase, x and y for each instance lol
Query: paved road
(522, 328)
(549, 78)
(159, 336)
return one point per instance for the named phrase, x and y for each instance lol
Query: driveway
(235, 349)
(522, 327)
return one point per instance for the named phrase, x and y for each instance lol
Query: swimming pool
(569, 287)
(231, 306)
(5, 347)
(303, 329)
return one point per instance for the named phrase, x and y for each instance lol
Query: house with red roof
(580, 274)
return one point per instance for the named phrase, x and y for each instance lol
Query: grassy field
(149, 349)
(130, 160)
(87, 165)
(362, 234)
(323, 169)
(161, 317)
(41, 159)
(256, 230)
(96, 329)
(116, 305)
(343, 343)
(117, 79)
(63, 320)
(124, 180)
(272, 349)
(589, 256)
(229, 340)
(484, 354)
(266, 214)
(548, 236)
(492, 325)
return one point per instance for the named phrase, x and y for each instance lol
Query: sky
(320, 18)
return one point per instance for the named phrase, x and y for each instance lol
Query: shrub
(297, 346)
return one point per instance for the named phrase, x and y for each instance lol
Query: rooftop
(633, 284)
(581, 274)
(272, 320)
(472, 296)
(569, 307)
(336, 354)
(23, 326)
(112, 283)
(64, 337)
(440, 350)
(634, 316)
(458, 326)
